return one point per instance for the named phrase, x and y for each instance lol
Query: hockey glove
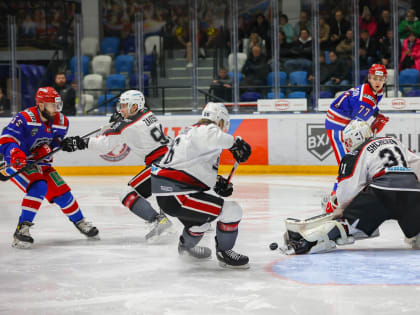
(17, 158)
(116, 116)
(71, 144)
(379, 123)
(41, 151)
(222, 187)
(332, 205)
(240, 150)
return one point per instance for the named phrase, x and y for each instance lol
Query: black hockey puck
(274, 246)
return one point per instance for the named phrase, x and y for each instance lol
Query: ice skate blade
(164, 237)
(21, 245)
(226, 266)
(286, 250)
(93, 238)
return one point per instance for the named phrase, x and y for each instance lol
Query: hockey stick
(4, 178)
(235, 166)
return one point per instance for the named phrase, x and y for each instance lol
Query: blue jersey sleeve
(13, 136)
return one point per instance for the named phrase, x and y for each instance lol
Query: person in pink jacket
(410, 55)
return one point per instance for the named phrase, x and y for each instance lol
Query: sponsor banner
(386, 104)
(283, 105)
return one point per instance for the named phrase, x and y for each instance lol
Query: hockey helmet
(131, 98)
(355, 133)
(379, 70)
(48, 95)
(216, 112)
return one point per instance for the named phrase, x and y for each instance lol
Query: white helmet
(216, 112)
(355, 133)
(132, 97)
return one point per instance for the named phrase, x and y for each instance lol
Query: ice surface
(121, 274)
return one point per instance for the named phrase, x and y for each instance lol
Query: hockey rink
(120, 274)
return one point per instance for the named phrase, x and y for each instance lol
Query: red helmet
(47, 95)
(377, 69)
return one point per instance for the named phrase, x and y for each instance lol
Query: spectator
(345, 47)
(4, 104)
(324, 34)
(410, 24)
(386, 50)
(384, 24)
(301, 52)
(368, 22)
(28, 27)
(222, 85)
(363, 59)
(323, 70)
(410, 55)
(338, 29)
(285, 47)
(255, 40)
(68, 94)
(371, 46)
(255, 70)
(286, 28)
(261, 27)
(303, 23)
(337, 72)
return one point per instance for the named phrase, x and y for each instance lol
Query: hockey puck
(274, 246)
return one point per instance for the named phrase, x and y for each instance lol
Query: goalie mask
(355, 133)
(216, 112)
(130, 98)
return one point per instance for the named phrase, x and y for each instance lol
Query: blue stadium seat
(149, 63)
(413, 93)
(298, 78)
(409, 76)
(115, 81)
(250, 96)
(124, 64)
(271, 95)
(363, 75)
(282, 78)
(325, 94)
(109, 106)
(230, 74)
(297, 94)
(85, 65)
(110, 45)
(129, 45)
(133, 83)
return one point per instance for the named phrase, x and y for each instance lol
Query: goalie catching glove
(379, 123)
(222, 187)
(240, 150)
(71, 144)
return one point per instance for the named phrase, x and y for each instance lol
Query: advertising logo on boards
(317, 142)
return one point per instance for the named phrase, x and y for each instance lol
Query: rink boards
(282, 143)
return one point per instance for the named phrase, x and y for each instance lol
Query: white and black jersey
(192, 161)
(142, 133)
(379, 163)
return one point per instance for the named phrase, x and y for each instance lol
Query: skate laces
(232, 254)
(85, 226)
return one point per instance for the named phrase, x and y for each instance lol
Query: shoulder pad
(347, 165)
(31, 116)
(60, 121)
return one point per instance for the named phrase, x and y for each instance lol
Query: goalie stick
(4, 178)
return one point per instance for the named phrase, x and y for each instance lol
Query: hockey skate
(87, 229)
(22, 237)
(161, 227)
(231, 259)
(197, 252)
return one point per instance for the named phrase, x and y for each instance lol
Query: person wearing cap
(360, 102)
(30, 137)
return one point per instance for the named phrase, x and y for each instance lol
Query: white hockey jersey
(376, 158)
(192, 161)
(142, 133)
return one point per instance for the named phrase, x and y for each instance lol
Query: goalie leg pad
(297, 225)
(139, 206)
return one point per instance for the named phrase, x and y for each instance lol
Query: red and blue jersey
(359, 102)
(27, 131)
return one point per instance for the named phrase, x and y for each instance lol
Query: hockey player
(30, 135)
(360, 102)
(377, 181)
(141, 131)
(184, 177)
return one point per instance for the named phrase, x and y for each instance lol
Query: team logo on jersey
(34, 131)
(119, 153)
(317, 142)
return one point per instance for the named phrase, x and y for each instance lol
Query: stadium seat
(108, 106)
(88, 101)
(110, 46)
(282, 79)
(230, 74)
(115, 81)
(93, 81)
(271, 95)
(241, 61)
(129, 45)
(363, 75)
(250, 96)
(408, 76)
(149, 63)
(390, 93)
(85, 65)
(297, 94)
(413, 93)
(325, 94)
(390, 77)
(151, 42)
(89, 46)
(298, 78)
(101, 64)
(124, 64)
(133, 83)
